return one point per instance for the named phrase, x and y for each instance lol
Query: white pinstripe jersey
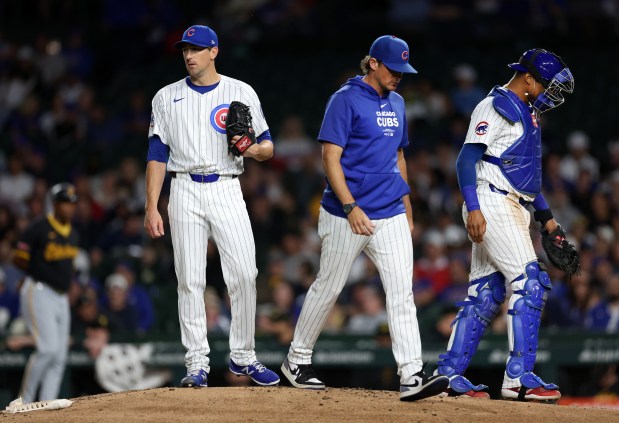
(490, 128)
(193, 125)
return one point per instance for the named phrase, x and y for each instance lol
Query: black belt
(501, 191)
(206, 179)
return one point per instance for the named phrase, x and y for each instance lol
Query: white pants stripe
(391, 250)
(198, 211)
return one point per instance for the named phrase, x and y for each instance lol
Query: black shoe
(301, 376)
(421, 386)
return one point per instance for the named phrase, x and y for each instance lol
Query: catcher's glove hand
(561, 253)
(238, 122)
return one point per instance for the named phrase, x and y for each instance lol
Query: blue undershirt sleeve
(540, 203)
(157, 150)
(467, 178)
(266, 135)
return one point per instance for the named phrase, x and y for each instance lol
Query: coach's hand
(476, 226)
(360, 223)
(153, 224)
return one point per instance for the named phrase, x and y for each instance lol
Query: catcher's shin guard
(524, 315)
(476, 312)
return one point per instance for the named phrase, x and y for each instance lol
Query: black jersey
(49, 247)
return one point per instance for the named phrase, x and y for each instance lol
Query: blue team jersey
(370, 129)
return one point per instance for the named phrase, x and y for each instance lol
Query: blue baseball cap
(393, 52)
(198, 35)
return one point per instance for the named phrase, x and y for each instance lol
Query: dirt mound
(283, 404)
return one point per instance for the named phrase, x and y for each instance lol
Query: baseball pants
(390, 248)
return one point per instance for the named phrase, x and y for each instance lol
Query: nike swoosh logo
(176, 100)
(295, 371)
(383, 105)
(413, 385)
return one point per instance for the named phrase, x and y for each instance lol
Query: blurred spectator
(570, 310)
(49, 60)
(562, 209)
(216, 321)
(17, 185)
(7, 222)
(578, 158)
(434, 265)
(138, 297)
(278, 317)
(457, 290)
(89, 324)
(425, 102)
(12, 274)
(9, 304)
(294, 256)
(605, 315)
(467, 93)
(293, 143)
(123, 318)
(370, 311)
(22, 79)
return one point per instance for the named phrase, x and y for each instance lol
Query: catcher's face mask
(552, 96)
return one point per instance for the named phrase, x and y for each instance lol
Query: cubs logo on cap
(198, 35)
(393, 52)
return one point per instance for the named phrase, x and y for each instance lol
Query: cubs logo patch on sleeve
(481, 128)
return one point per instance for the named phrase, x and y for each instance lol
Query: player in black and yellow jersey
(45, 252)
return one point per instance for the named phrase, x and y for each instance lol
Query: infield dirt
(284, 404)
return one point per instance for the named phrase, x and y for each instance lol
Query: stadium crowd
(62, 117)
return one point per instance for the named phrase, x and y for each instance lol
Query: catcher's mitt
(561, 253)
(238, 122)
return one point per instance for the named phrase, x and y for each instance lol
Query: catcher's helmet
(63, 192)
(549, 70)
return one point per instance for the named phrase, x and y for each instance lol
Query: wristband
(543, 216)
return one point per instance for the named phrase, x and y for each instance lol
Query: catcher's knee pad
(476, 312)
(529, 298)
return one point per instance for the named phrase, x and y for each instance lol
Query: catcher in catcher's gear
(499, 171)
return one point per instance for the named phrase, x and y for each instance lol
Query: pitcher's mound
(283, 404)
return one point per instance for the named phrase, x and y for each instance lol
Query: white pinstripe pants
(507, 245)
(197, 211)
(391, 250)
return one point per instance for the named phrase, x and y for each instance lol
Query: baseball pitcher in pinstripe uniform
(499, 172)
(366, 207)
(188, 135)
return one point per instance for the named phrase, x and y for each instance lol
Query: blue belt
(207, 179)
(500, 191)
(491, 159)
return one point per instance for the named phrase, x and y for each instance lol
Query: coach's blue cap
(393, 52)
(198, 35)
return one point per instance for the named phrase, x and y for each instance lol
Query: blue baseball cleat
(195, 380)
(257, 372)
